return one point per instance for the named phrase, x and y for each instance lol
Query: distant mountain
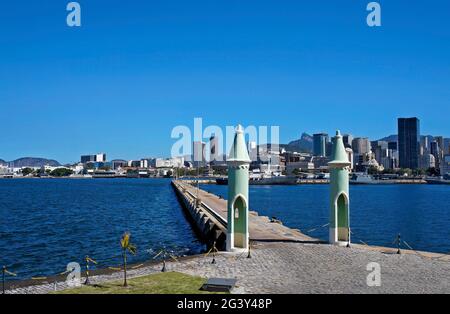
(2, 162)
(33, 162)
(303, 145)
(390, 138)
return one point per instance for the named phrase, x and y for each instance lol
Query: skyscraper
(409, 142)
(348, 139)
(361, 145)
(320, 141)
(198, 154)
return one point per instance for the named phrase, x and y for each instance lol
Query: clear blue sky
(136, 69)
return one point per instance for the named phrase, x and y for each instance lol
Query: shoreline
(212, 180)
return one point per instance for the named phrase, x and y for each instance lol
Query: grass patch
(161, 283)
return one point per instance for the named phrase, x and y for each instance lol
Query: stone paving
(304, 268)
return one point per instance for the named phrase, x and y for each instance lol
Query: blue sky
(136, 69)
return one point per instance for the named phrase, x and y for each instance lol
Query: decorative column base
(333, 237)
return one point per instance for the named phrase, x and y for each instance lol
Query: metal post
(399, 244)
(3, 281)
(87, 282)
(163, 270)
(249, 250)
(214, 253)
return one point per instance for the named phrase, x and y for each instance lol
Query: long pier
(208, 212)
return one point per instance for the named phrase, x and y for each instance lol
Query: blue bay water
(46, 224)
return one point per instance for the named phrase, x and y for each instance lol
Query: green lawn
(161, 283)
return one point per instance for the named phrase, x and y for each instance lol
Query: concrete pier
(209, 214)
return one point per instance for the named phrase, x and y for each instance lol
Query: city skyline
(119, 157)
(123, 80)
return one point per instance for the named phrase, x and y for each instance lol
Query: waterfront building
(380, 149)
(215, 152)
(100, 157)
(175, 162)
(300, 161)
(134, 163)
(361, 146)
(320, 141)
(93, 158)
(441, 144)
(87, 158)
(393, 145)
(409, 142)
(144, 163)
(435, 150)
(339, 230)
(445, 165)
(347, 139)
(349, 152)
(427, 161)
(424, 145)
(238, 193)
(252, 148)
(320, 163)
(118, 164)
(198, 154)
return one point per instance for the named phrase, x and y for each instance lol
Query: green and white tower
(238, 167)
(339, 193)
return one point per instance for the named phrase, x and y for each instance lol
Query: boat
(264, 179)
(364, 178)
(440, 180)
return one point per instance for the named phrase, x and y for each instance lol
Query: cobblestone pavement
(304, 268)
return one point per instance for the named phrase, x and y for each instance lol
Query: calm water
(46, 224)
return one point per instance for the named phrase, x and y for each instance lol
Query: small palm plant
(126, 246)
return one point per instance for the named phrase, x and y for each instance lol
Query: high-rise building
(347, 139)
(87, 158)
(445, 165)
(93, 158)
(441, 143)
(409, 142)
(320, 141)
(393, 145)
(424, 145)
(100, 157)
(361, 145)
(198, 154)
(252, 148)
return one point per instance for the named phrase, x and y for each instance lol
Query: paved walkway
(305, 268)
(260, 227)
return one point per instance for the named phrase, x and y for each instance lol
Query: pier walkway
(260, 227)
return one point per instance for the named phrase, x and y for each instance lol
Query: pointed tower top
(239, 129)
(339, 155)
(238, 152)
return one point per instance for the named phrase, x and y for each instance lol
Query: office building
(445, 165)
(361, 146)
(409, 142)
(347, 139)
(93, 158)
(198, 154)
(320, 141)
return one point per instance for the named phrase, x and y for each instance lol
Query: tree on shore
(27, 171)
(61, 172)
(126, 246)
